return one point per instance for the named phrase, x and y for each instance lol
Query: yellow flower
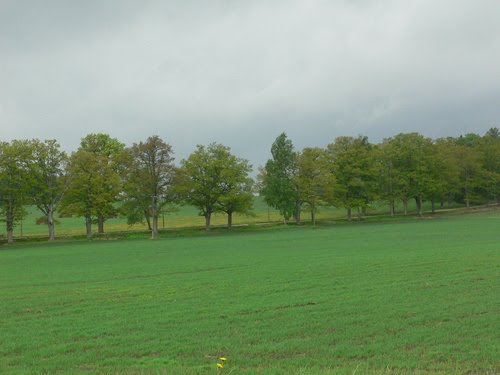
(220, 365)
(223, 359)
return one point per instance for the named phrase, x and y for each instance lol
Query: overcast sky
(241, 72)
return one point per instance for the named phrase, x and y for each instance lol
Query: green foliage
(351, 173)
(313, 178)
(237, 194)
(214, 180)
(343, 299)
(149, 177)
(352, 162)
(468, 140)
(410, 157)
(470, 173)
(94, 181)
(48, 180)
(15, 182)
(489, 151)
(278, 186)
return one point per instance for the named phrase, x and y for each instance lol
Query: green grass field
(183, 217)
(416, 296)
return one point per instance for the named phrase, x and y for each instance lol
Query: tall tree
(237, 194)
(14, 182)
(94, 181)
(489, 149)
(411, 166)
(47, 179)
(444, 172)
(353, 165)
(149, 179)
(312, 178)
(389, 180)
(469, 165)
(279, 190)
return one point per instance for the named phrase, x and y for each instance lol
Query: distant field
(419, 296)
(184, 216)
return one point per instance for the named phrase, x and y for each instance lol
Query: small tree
(212, 180)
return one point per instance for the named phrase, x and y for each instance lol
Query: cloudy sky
(241, 72)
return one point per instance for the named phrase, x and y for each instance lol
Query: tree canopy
(103, 179)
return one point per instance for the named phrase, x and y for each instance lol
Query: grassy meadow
(416, 296)
(184, 217)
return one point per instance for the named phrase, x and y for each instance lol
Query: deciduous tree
(411, 166)
(312, 178)
(14, 182)
(279, 190)
(47, 179)
(237, 194)
(353, 165)
(212, 180)
(94, 181)
(150, 175)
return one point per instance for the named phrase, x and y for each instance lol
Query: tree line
(103, 178)
(352, 173)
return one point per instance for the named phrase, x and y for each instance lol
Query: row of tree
(353, 173)
(103, 178)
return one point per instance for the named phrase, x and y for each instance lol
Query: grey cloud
(240, 72)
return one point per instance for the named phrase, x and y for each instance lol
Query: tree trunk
(442, 204)
(154, 231)
(313, 214)
(10, 232)
(433, 206)
(9, 222)
(100, 224)
(148, 220)
(208, 216)
(391, 191)
(88, 226)
(418, 202)
(230, 219)
(154, 213)
(405, 206)
(50, 224)
(467, 203)
(349, 213)
(297, 213)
